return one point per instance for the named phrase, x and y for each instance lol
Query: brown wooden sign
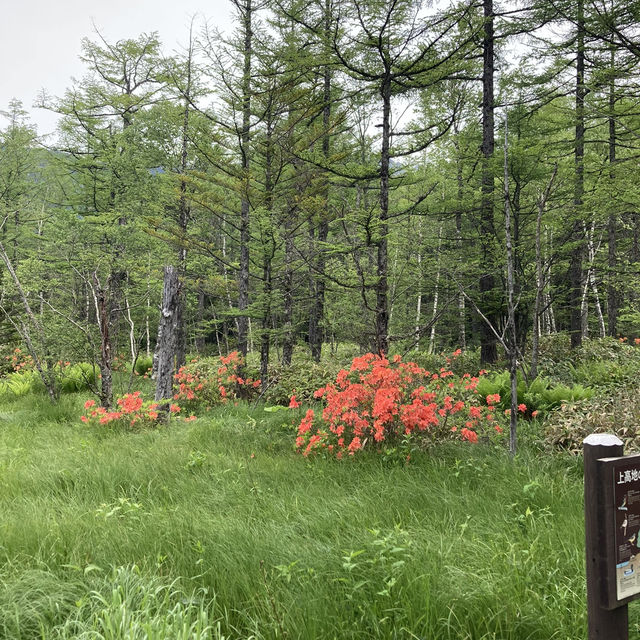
(611, 491)
(621, 477)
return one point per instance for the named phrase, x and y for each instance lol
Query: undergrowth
(217, 529)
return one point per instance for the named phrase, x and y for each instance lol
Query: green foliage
(606, 374)
(617, 413)
(541, 395)
(301, 379)
(81, 376)
(144, 364)
(629, 322)
(20, 383)
(71, 378)
(603, 363)
(460, 362)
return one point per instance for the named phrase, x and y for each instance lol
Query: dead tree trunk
(167, 337)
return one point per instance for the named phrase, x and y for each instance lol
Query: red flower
(293, 403)
(469, 435)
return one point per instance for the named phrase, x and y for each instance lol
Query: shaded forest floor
(218, 529)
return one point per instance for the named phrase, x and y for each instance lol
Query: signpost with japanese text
(626, 520)
(607, 537)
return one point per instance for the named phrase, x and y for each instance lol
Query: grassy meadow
(217, 529)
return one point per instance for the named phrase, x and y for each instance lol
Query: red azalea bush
(380, 401)
(132, 412)
(213, 381)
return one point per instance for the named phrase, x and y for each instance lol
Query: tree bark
(462, 333)
(287, 292)
(243, 274)
(184, 211)
(575, 275)
(167, 337)
(268, 253)
(488, 293)
(316, 315)
(513, 338)
(382, 266)
(612, 223)
(103, 305)
(540, 278)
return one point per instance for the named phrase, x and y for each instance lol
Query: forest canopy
(394, 174)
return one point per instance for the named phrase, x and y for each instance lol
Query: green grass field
(217, 529)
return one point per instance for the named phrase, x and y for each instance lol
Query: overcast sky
(40, 39)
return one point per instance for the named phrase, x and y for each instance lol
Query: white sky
(40, 39)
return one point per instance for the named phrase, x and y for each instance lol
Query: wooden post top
(602, 440)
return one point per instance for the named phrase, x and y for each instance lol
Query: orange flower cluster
(379, 401)
(132, 411)
(202, 383)
(19, 360)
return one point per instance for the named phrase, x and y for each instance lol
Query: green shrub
(617, 413)
(459, 362)
(144, 364)
(604, 363)
(605, 374)
(301, 379)
(78, 377)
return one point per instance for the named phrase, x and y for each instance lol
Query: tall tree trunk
(243, 274)
(434, 314)
(575, 275)
(184, 211)
(540, 278)
(417, 330)
(462, 334)
(382, 267)
(133, 347)
(512, 338)
(535, 338)
(612, 223)
(200, 341)
(316, 315)
(287, 292)
(167, 337)
(268, 253)
(103, 304)
(591, 279)
(488, 292)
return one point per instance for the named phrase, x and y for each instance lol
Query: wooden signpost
(612, 535)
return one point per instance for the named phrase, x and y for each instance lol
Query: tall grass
(217, 529)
